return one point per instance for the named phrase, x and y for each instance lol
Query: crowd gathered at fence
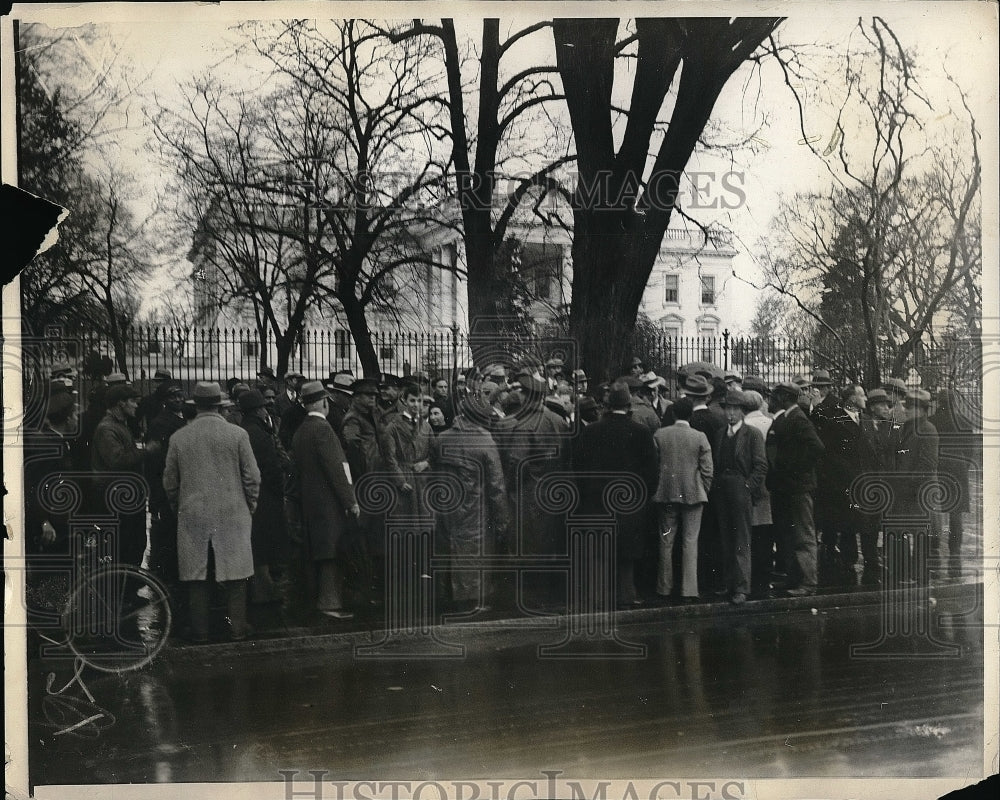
(715, 485)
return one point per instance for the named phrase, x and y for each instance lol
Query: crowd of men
(741, 489)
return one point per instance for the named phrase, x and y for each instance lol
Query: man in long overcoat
(685, 476)
(327, 498)
(617, 445)
(212, 481)
(476, 525)
(267, 536)
(793, 447)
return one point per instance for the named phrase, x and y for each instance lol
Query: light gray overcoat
(212, 481)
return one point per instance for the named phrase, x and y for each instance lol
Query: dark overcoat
(793, 448)
(325, 493)
(616, 445)
(268, 531)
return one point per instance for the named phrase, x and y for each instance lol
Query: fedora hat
(116, 378)
(341, 382)
(312, 391)
(733, 376)
(266, 372)
(364, 386)
(879, 396)
(696, 386)
(619, 397)
(895, 386)
(790, 388)
(755, 384)
(207, 393)
(250, 400)
(918, 397)
(162, 375)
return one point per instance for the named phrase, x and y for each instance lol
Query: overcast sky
(173, 43)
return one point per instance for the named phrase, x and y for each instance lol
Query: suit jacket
(685, 465)
(324, 491)
(792, 447)
(616, 445)
(212, 480)
(849, 452)
(751, 457)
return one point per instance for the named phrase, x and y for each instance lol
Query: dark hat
(733, 376)
(579, 375)
(293, 374)
(60, 403)
(532, 385)
(895, 386)
(61, 386)
(632, 382)
(312, 391)
(755, 384)
(800, 381)
(63, 370)
(619, 397)
(636, 362)
(207, 394)
(588, 409)
(879, 396)
(696, 386)
(251, 400)
(390, 381)
(555, 361)
(238, 389)
(121, 391)
(555, 404)
(267, 372)
(918, 397)
(364, 386)
(787, 387)
(341, 382)
(116, 378)
(162, 375)
(172, 387)
(821, 378)
(734, 397)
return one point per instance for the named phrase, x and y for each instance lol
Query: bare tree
(895, 239)
(623, 203)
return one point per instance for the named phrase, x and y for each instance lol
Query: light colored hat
(116, 378)
(341, 382)
(312, 391)
(207, 393)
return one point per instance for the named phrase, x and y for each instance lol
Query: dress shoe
(738, 599)
(690, 600)
(800, 591)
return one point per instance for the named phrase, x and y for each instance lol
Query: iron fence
(218, 354)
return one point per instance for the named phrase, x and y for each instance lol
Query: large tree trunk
(357, 322)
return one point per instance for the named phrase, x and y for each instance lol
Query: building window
(386, 352)
(708, 290)
(672, 331)
(251, 349)
(670, 284)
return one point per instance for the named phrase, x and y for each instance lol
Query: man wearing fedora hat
(289, 395)
(152, 403)
(793, 448)
(339, 389)
(740, 469)
(329, 507)
(212, 482)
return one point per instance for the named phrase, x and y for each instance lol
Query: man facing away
(685, 476)
(327, 498)
(793, 448)
(212, 482)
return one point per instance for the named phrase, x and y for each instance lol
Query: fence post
(725, 349)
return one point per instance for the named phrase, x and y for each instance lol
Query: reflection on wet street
(769, 695)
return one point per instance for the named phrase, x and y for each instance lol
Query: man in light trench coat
(212, 482)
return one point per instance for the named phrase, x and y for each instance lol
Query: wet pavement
(775, 693)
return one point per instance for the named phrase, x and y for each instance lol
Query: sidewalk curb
(523, 630)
